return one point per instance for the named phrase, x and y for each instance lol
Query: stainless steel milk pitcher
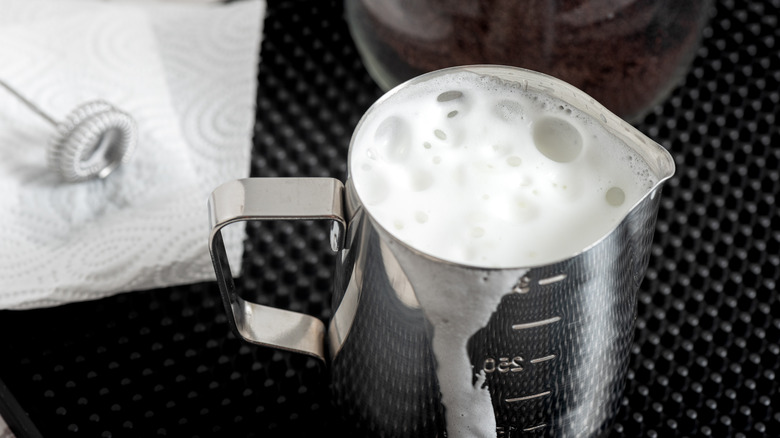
(419, 346)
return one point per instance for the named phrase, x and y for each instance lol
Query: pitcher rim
(662, 165)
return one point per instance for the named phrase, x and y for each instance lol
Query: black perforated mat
(707, 345)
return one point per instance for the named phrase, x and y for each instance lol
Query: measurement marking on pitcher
(528, 429)
(527, 397)
(543, 359)
(551, 280)
(533, 324)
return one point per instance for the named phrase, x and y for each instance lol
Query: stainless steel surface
(273, 199)
(92, 141)
(425, 347)
(552, 355)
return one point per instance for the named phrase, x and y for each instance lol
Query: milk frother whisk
(91, 142)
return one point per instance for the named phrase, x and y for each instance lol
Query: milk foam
(477, 171)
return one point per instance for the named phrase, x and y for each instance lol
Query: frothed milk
(477, 171)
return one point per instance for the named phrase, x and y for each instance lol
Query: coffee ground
(626, 54)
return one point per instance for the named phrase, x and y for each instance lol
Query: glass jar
(627, 54)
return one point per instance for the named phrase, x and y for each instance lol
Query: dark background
(707, 344)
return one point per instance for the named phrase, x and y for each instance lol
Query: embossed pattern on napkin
(187, 74)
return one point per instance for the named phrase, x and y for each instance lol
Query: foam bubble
(510, 110)
(557, 139)
(514, 161)
(392, 138)
(615, 196)
(449, 96)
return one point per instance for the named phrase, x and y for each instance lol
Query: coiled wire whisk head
(92, 141)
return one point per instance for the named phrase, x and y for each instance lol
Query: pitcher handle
(261, 199)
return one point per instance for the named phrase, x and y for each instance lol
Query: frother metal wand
(92, 141)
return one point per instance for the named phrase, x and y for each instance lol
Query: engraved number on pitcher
(503, 365)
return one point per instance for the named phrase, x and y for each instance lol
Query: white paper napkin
(187, 74)
(5, 432)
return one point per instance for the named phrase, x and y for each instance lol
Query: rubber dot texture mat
(706, 352)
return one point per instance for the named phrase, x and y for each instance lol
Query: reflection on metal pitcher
(423, 347)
